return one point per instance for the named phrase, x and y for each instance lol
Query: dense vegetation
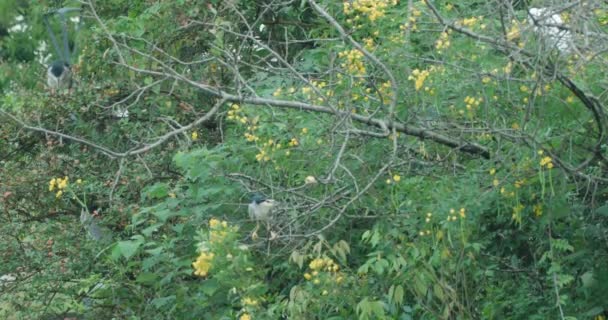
(430, 160)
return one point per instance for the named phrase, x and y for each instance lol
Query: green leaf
(210, 286)
(147, 278)
(127, 248)
(165, 214)
(587, 279)
(156, 191)
(151, 229)
(602, 211)
(398, 295)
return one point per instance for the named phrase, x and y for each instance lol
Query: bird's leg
(254, 234)
(271, 234)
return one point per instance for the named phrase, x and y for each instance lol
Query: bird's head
(260, 199)
(57, 68)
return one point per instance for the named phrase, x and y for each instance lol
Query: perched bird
(59, 76)
(59, 73)
(550, 26)
(260, 209)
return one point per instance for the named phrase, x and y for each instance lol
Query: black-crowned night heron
(260, 209)
(59, 73)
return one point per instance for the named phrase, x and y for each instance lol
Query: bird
(260, 209)
(59, 76)
(59, 72)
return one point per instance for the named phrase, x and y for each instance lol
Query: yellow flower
(324, 293)
(397, 178)
(496, 182)
(304, 130)
(249, 302)
(58, 194)
(307, 276)
(79, 181)
(203, 264)
(462, 213)
(213, 223)
(546, 162)
(194, 136)
(492, 171)
(58, 183)
(245, 316)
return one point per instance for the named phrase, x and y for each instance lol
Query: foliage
(430, 160)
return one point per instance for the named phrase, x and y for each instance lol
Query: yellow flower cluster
(517, 212)
(368, 43)
(318, 266)
(428, 218)
(453, 216)
(354, 62)
(538, 209)
(472, 102)
(514, 31)
(419, 77)
(373, 9)
(546, 162)
(235, 114)
(507, 194)
(395, 178)
(194, 135)
(245, 316)
(219, 230)
(202, 265)
(268, 148)
(293, 142)
(423, 233)
(247, 301)
(411, 23)
(470, 22)
(251, 128)
(443, 42)
(385, 90)
(59, 184)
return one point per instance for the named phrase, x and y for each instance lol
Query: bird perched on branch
(59, 73)
(260, 209)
